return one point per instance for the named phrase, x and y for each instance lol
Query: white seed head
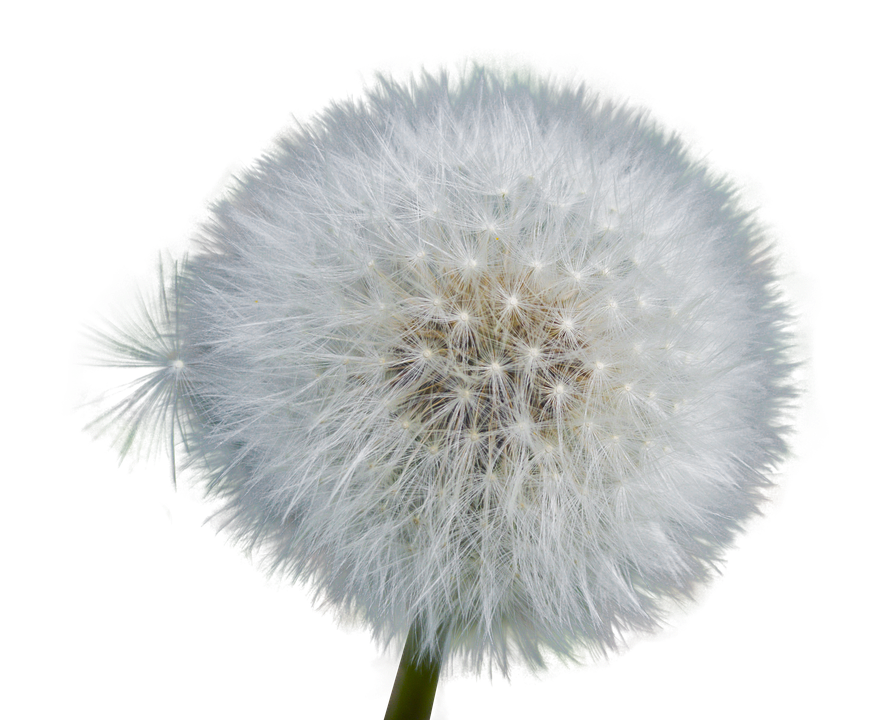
(486, 458)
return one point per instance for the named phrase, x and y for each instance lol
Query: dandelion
(489, 361)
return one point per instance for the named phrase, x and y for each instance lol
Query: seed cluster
(493, 357)
(516, 367)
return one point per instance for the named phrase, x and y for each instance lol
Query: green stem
(415, 686)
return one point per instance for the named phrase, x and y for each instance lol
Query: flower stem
(414, 689)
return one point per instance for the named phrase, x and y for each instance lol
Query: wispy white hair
(482, 352)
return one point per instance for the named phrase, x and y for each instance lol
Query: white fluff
(485, 352)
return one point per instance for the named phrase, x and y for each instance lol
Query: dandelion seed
(479, 476)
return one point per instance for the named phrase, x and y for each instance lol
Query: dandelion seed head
(415, 362)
